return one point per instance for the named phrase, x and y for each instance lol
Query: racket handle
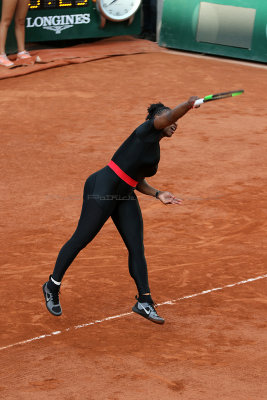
(198, 102)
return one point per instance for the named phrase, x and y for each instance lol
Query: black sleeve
(147, 131)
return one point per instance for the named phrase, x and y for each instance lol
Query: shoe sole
(51, 312)
(137, 311)
(8, 66)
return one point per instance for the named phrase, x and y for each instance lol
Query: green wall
(181, 24)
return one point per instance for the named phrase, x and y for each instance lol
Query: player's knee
(137, 251)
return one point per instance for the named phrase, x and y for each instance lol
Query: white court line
(219, 58)
(99, 321)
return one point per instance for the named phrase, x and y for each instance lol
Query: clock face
(118, 10)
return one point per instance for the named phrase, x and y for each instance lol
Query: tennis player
(109, 192)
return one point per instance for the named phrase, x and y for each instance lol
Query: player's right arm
(170, 116)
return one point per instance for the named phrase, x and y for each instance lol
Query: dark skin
(167, 118)
(167, 122)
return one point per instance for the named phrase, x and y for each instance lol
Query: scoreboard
(53, 4)
(49, 20)
(72, 19)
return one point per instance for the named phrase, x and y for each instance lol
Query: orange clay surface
(60, 125)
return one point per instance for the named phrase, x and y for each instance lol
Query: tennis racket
(218, 96)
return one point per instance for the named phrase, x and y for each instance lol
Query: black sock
(145, 298)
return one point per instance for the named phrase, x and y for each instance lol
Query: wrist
(189, 104)
(157, 194)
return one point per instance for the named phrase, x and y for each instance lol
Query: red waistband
(126, 178)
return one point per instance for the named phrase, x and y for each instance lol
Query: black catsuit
(106, 195)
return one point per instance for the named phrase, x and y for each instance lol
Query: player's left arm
(164, 196)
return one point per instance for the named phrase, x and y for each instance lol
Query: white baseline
(99, 321)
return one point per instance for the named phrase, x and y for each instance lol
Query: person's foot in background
(5, 62)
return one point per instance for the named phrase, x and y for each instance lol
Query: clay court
(206, 258)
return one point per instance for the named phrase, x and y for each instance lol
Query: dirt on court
(60, 125)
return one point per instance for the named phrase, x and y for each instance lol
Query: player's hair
(155, 109)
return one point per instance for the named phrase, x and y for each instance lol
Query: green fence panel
(232, 28)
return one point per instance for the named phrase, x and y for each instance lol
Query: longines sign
(57, 23)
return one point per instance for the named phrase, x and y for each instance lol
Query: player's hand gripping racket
(217, 96)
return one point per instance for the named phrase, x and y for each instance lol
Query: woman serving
(109, 192)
